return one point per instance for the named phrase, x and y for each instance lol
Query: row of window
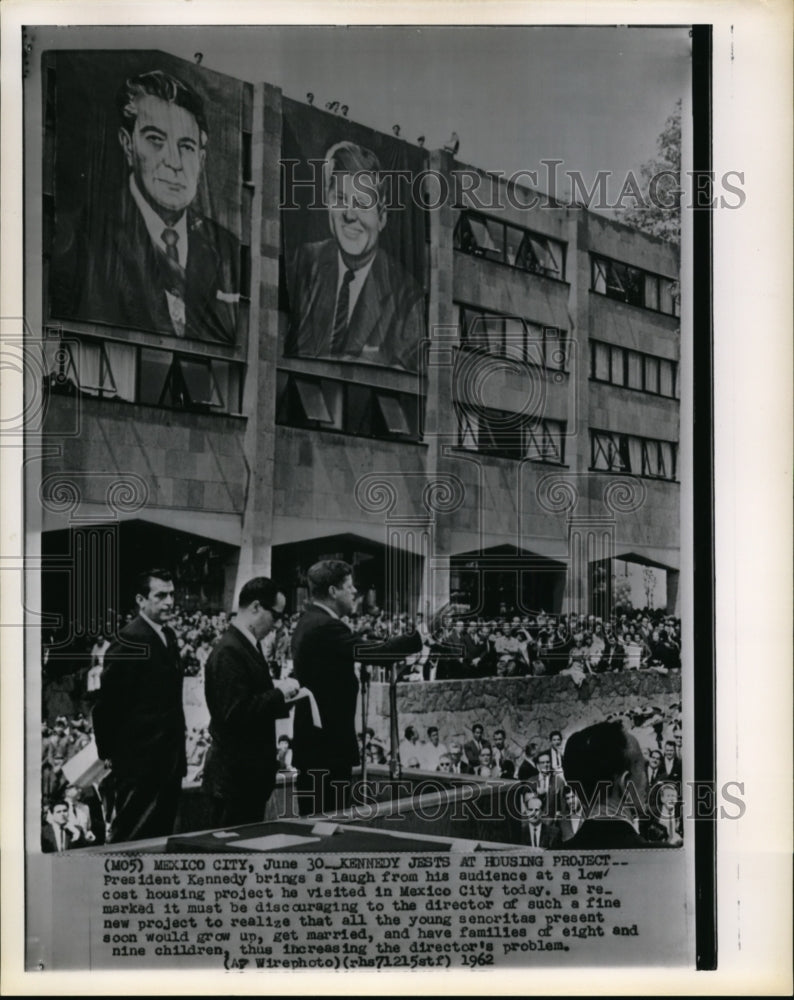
(349, 407)
(633, 369)
(633, 285)
(640, 456)
(509, 244)
(106, 369)
(510, 435)
(525, 250)
(513, 337)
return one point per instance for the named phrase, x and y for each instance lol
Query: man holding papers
(244, 703)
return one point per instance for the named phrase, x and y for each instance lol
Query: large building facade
(528, 446)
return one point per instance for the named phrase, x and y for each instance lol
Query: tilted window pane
(312, 401)
(87, 358)
(634, 285)
(392, 414)
(121, 360)
(514, 239)
(467, 430)
(155, 366)
(333, 395)
(599, 276)
(199, 382)
(488, 237)
(545, 253)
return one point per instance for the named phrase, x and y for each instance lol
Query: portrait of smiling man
(150, 260)
(349, 299)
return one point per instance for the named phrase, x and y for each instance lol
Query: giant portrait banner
(145, 210)
(353, 233)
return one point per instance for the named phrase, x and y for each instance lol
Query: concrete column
(259, 402)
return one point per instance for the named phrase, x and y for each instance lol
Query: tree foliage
(660, 215)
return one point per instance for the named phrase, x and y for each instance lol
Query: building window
(505, 243)
(510, 435)
(633, 285)
(640, 456)
(513, 337)
(329, 404)
(109, 369)
(632, 369)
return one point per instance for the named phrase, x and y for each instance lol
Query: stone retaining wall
(522, 706)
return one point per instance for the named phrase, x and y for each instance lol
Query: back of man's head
(157, 83)
(595, 757)
(326, 574)
(261, 589)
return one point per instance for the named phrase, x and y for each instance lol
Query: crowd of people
(550, 807)
(536, 645)
(542, 644)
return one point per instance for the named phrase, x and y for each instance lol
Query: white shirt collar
(155, 225)
(158, 628)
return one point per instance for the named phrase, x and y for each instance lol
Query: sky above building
(595, 98)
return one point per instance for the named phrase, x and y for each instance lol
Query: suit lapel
(202, 262)
(374, 309)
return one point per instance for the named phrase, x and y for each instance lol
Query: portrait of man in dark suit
(349, 298)
(244, 703)
(139, 721)
(149, 260)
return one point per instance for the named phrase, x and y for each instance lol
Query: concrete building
(537, 444)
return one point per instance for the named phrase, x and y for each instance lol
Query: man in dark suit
(139, 722)
(473, 747)
(606, 769)
(671, 764)
(547, 785)
(150, 261)
(324, 650)
(526, 766)
(56, 836)
(459, 764)
(537, 831)
(244, 703)
(570, 817)
(348, 298)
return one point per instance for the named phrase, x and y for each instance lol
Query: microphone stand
(395, 767)
(365, 678)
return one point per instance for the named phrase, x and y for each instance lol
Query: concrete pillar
(259, 400)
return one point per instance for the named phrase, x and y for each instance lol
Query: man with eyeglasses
(244, 703)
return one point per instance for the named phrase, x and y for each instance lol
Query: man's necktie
(175, 294)
(170, 237)
(340, 316)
